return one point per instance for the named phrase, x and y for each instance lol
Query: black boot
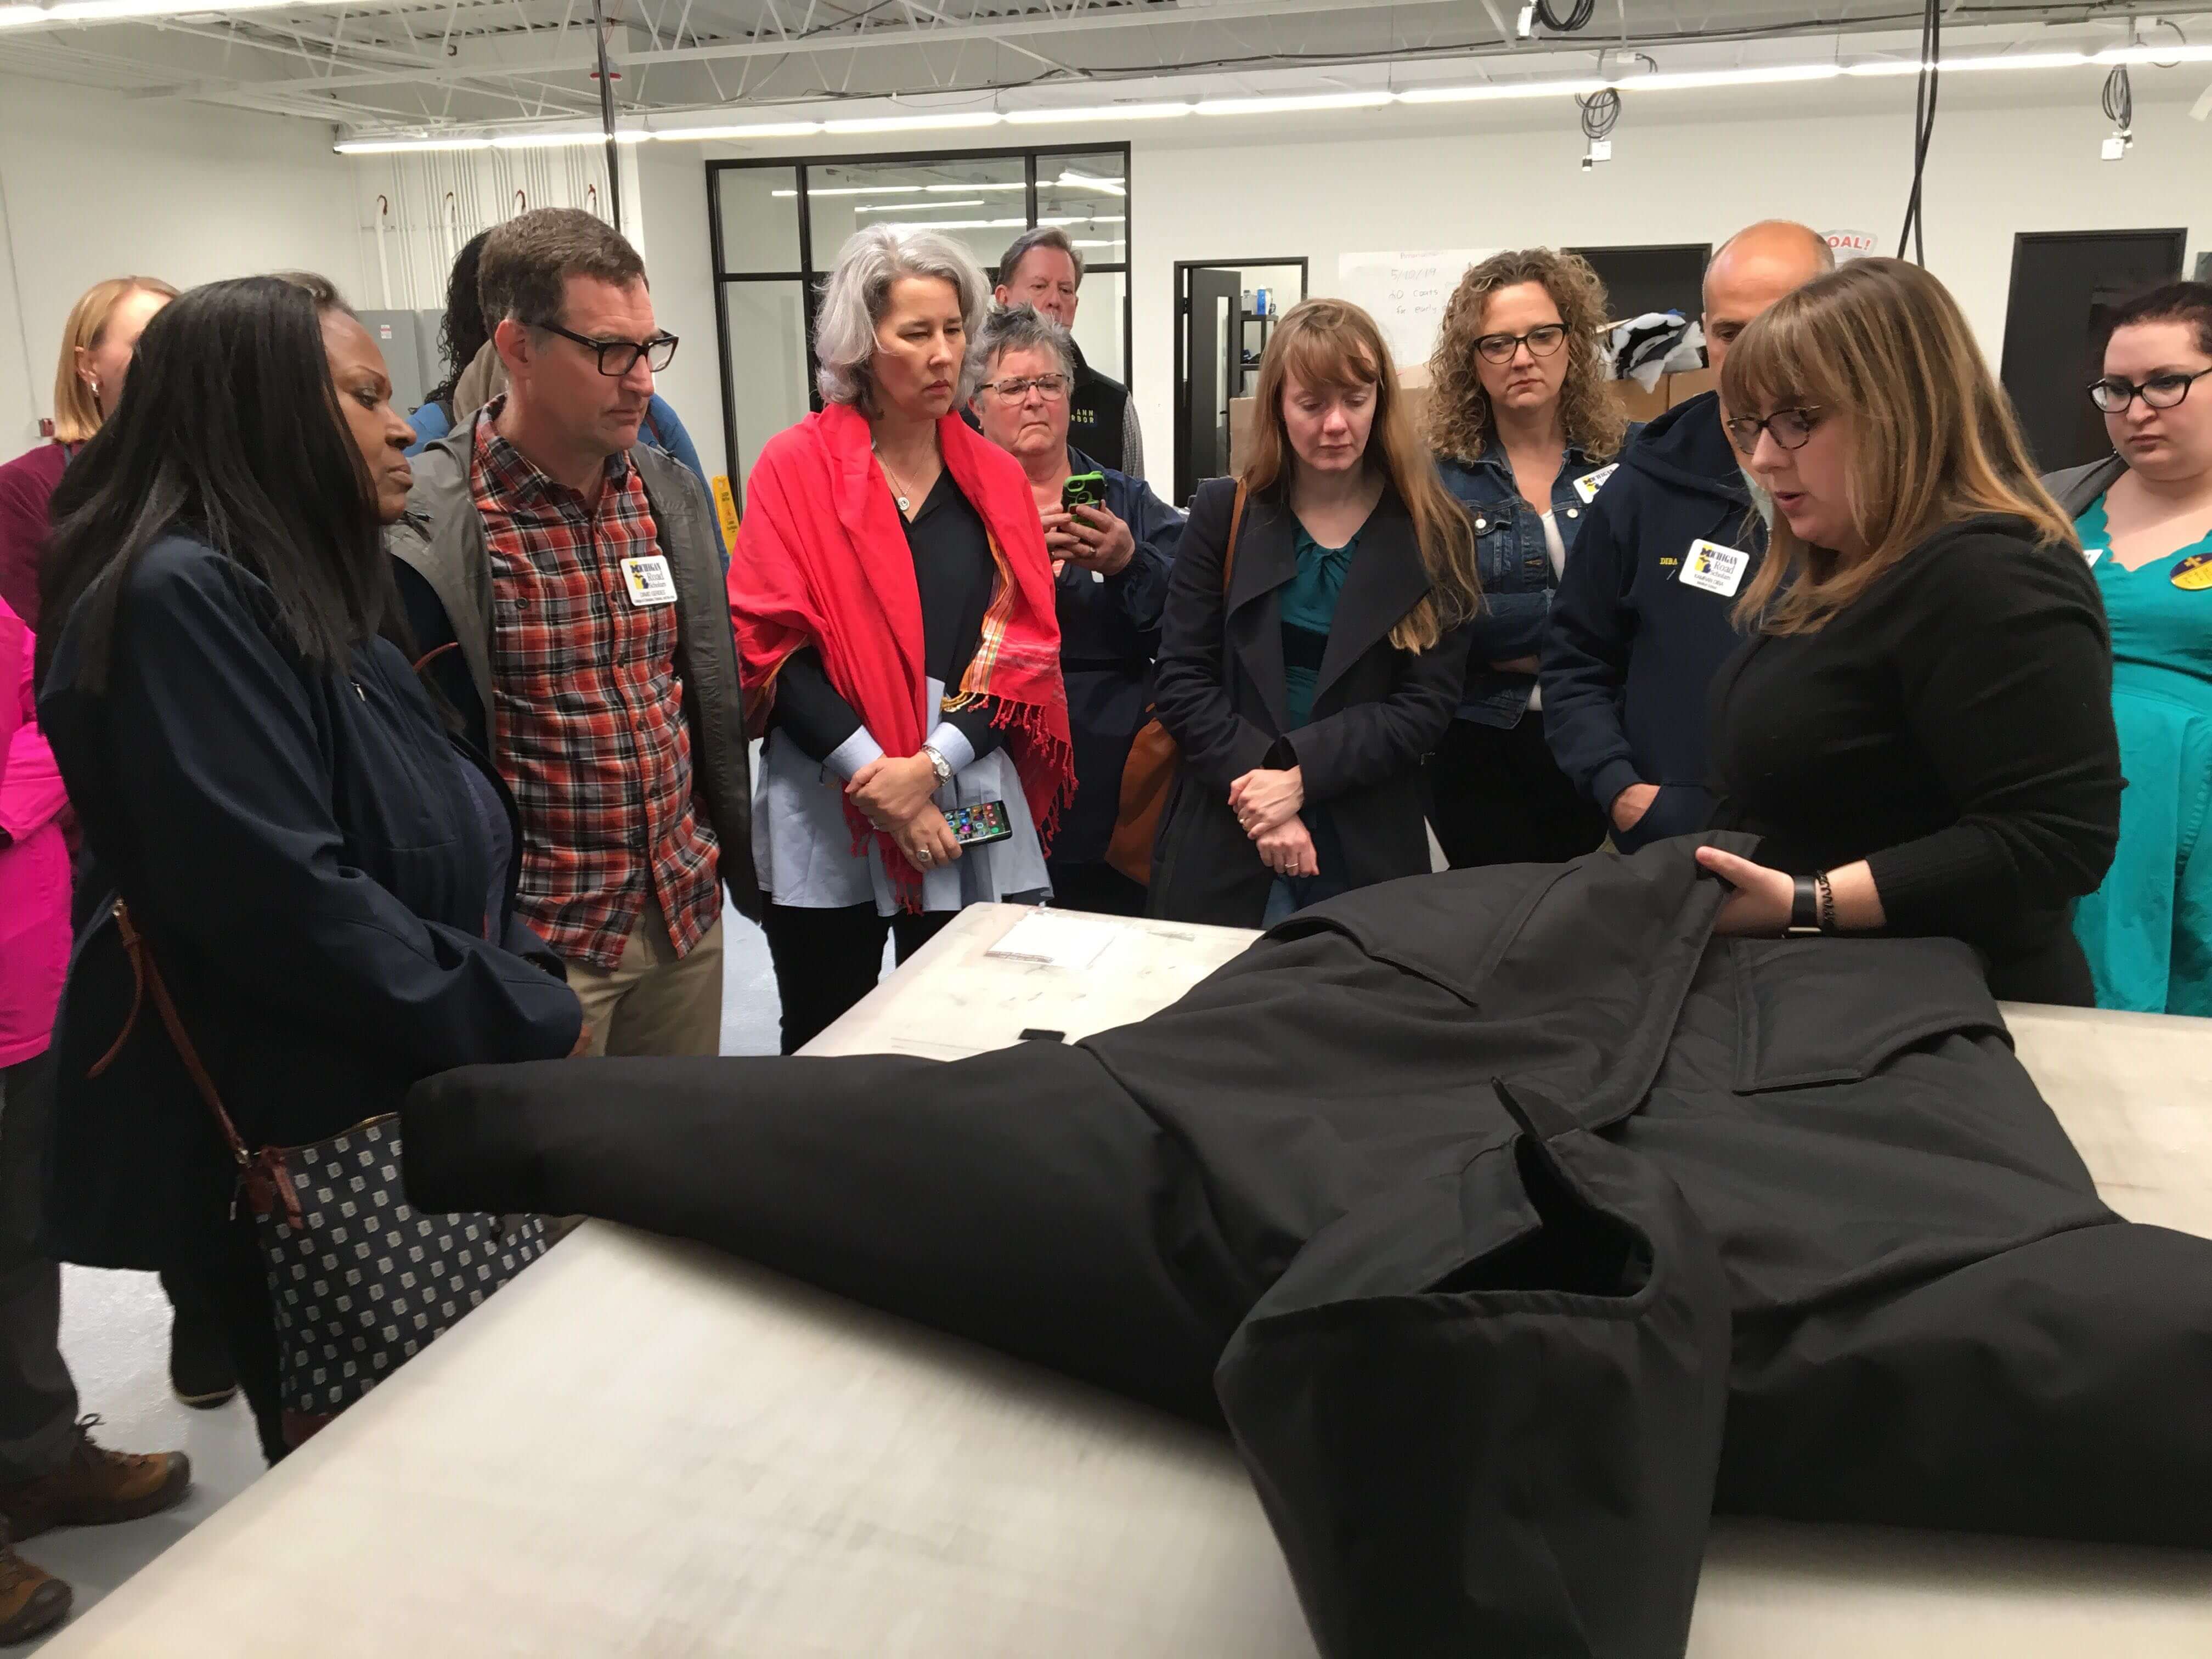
(200, 1370)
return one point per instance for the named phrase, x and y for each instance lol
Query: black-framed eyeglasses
(1055, 387)
(618, 358)
(1542, 342)
(2114, 393)
(1791, 428)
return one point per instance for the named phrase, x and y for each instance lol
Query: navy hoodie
(1631, 647)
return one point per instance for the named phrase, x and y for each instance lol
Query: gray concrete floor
(115, 1333)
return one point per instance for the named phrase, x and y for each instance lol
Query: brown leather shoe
(96, 1487)
(30, 1599)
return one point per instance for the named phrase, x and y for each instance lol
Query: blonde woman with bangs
(1313, 647)
(1525, 432)
(1920, 725)
(97, 341)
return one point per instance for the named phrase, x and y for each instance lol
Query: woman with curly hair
(1525, 434)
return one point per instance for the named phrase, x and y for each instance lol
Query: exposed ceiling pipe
(383, 260)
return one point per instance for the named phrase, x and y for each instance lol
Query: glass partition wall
(778, 225)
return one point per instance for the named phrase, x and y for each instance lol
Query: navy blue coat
(303, 853)
(1109, 632)
(1632, 648)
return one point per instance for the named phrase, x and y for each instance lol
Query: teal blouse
(2147, 930)
(1309, 610)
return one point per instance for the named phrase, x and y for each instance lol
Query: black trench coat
(1510, 1225)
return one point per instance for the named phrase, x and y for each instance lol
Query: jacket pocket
(1839, 1009)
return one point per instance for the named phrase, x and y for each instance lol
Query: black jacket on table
(1220, 687)
(1631, 647)
(303, 854)
(1109, 632)
(1953, 727)
(1512, 1224)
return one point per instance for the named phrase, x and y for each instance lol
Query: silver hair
(859, 291)
(1022, 328)
(1029, 242)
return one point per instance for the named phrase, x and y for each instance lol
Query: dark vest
(1096, 412)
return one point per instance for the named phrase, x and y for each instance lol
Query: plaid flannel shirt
(593, 736)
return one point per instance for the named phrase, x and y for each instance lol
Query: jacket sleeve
(212, 739)
(1141, 590)
(1584, 675)
(30, 792)
(1512, 625)
(2007, 683)
(1132, 440)
(1360, 746)
(438, 653)
(676, 442)
(1191, 689)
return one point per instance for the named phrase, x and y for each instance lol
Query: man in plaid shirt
(579, 574)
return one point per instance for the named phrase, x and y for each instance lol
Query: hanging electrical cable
(1600, 113)
(2119, 102)
(1578, 16)
(1923, 128)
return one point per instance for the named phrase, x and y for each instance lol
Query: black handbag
(359, 1280)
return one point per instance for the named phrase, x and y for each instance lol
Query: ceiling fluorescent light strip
(1026, 117)
(979, 118)
(2175, 52)
(1488, 91)
(1284, 106)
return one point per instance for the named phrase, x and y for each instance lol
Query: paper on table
(1055, 940)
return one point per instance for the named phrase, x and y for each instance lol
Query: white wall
(95, 185)
(1838, 161)
(669, 224)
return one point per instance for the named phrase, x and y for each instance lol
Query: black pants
(1496, 796)
(37, 1401)
(827, 960)
(1099, 888)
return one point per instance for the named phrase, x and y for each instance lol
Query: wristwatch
(938, 763)
(1804, 910)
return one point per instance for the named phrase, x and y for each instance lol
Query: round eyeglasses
(1791, 428)
(1542, 342)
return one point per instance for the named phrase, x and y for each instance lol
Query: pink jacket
(34, 865)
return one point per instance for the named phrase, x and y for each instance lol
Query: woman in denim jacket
(1525, 434)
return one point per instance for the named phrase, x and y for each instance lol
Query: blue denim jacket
(1517, 581)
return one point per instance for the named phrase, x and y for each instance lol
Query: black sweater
(1953, 727)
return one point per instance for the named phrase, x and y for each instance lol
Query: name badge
(1715, 569)
(649, 581)
(1589, 483)
(2194, 574)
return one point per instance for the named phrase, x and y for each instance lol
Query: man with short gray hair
(1641, 619)
(1043, 269)
(566, 581)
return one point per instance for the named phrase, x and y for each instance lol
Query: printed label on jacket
(1715, 569)
(649, 581)
(1589, 483)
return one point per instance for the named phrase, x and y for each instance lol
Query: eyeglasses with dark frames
(2113, 393)
(1791, 428)
(617, 357)
(1542, 342)
(1055, 387)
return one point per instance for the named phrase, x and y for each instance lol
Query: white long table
(644, 1448)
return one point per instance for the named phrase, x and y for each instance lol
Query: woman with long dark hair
(324, 877)
(1315, 643)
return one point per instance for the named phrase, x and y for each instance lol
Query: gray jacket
(2077, 486)
(444, 574)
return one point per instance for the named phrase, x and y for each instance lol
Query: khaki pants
(654, 1002)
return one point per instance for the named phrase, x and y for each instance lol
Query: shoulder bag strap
(264, 1177)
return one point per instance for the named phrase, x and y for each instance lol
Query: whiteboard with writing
(1406, 293)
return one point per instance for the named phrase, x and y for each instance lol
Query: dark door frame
(1181, 312)
(2023, 239)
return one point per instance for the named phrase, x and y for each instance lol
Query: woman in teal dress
(2145, 519)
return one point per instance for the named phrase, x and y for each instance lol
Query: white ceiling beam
(895, 38)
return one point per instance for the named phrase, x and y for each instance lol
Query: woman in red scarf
(893, 602)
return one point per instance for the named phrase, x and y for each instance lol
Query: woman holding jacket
(1313, 648)
(324, 877)
(1920, 725)
(1525, 434)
